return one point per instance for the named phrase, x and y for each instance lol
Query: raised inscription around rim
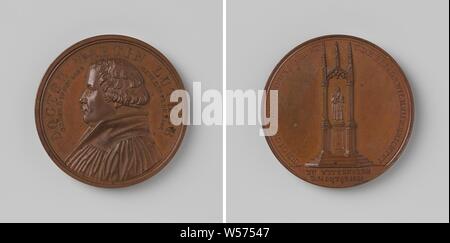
(334, 174)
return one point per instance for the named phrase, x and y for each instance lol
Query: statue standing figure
(337, 103)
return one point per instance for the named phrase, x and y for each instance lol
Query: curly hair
(121, 82)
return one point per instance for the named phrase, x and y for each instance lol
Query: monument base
(328, 160)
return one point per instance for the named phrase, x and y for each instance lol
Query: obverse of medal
(345, 111)
(103, 111)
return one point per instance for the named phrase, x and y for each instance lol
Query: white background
(33, 34)
(415, 33)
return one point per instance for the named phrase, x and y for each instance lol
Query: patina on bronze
(103, 111)
(345, 111)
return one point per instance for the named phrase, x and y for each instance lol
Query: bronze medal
(345, 111)
(103, 111)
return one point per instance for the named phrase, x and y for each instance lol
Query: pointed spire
(338, 61)
(350, 55)
(324, 58)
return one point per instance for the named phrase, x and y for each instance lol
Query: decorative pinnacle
(338, 62)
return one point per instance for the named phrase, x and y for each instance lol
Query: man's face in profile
(93, 105)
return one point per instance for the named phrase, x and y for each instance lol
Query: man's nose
(83, 98)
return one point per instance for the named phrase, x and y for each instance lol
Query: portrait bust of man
(117, 145)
